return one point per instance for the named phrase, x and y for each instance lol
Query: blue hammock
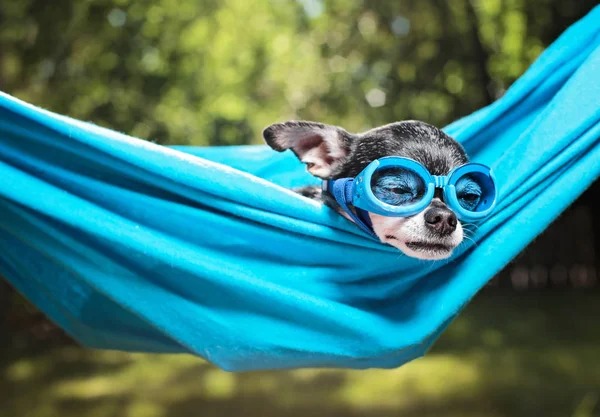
(132, 246)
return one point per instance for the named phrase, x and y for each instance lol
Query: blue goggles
(401, 187)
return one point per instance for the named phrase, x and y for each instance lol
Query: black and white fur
(330, 152)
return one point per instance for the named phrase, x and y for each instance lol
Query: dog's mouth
(428, 247)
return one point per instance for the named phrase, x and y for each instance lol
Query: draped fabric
(133, 246)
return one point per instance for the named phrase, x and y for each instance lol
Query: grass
(507, 355)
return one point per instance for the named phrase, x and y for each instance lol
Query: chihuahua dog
(330, 152)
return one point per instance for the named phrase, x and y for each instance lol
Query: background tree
(208, 72)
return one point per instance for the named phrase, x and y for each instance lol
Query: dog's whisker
(471, 227)
(431, 266)
(471, 240)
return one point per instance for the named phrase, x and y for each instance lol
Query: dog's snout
(441, 220)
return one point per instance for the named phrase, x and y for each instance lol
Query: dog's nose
(441, 220)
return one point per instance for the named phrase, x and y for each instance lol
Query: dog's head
(331, 152)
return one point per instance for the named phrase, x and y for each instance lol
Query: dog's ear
(321, 147)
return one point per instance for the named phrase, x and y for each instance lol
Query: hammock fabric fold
(132, 246)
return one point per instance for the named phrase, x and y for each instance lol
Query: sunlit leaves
(217, 71)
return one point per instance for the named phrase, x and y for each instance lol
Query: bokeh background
(216, 72)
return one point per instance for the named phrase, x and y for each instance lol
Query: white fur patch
(315, 162)
(327, 151)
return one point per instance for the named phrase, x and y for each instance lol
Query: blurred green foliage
(215, 72)
(507, 355)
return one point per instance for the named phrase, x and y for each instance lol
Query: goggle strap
(341, 190)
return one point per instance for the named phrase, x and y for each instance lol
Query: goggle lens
(397, 186)
(475, 191)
